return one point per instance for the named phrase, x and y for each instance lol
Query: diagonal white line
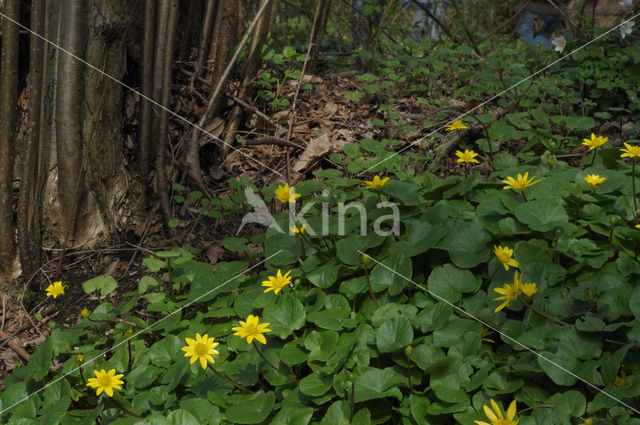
(181, 118)
(138, 333)
(499, 94)
(501, 333)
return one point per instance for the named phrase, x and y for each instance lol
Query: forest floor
(324, 122)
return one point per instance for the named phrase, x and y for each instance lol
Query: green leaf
(580, 123)
(54, 414)
(449, 282)
(407, 193)
(40, 360)
(393, 274)
(315, 384)
(182, 417)
(378, 383)
(293, 416)
(394, 335)
(542, 215)
(235, 244)
(154, 264)
(321, 345)
(145, 283)
(285, 316)
(571, 402)
(105, 284)
(467, 244)
(324, 276)
(250, 409)
(173, 222)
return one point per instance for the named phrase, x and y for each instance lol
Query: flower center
(105, 381)
(251, 328)
(201, 349)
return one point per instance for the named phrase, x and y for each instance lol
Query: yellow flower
(631, 151)
(55, 289)
(298, 231)
(637, 226)
(588, 421)
(79, 359)
(496, 417)
(521, 183)
(594, 180)
(620, 380)
(484, 334)
(251, 329)
(594, 142)
(456, 125)
(509, 292)
(84, 312)
(286, 193)
(377, 183)
(201, 349)
(528, 289)
(105, 381)
(504, 256)
(278, 282)
(467, 156)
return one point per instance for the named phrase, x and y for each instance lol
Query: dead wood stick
(14, 346)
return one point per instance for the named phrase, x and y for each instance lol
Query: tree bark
(28, 209)
(161, 154)
(8, 114)
(72, 191)
(144, 152)
(318, 33)
(205, 39)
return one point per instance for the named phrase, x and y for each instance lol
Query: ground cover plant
(485, 274)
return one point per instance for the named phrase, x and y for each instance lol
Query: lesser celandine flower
(456, 125)
(621, 380)
(79, 359)
(298, 231)
(588, 421)
(55, 289)
(84, 312)
(467, 156)
(504, 256)
(484, 334)
(252, 329)
(286, 194)
(509, 293)
(277, 282)
(105, 381)
(496, 417)
(630, 151)
(201, 349)
(528, 289)
(594, 141)
(377, 183)
(594, 180)
(520, 183)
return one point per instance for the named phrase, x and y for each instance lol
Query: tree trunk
(72, 191)
(28, 209)
(8, 113)
(162, 184)
(102, 114)
(318, 33)
(144, 151)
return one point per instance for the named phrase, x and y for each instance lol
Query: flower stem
(130, 364)
(229, 380)
(373, 295)
(274, 367)
(543, 314)
(611, 238)
(593, 158)
(524, 196)
(633, 182)
(409, 373)
(124, 409)
(353, 400)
